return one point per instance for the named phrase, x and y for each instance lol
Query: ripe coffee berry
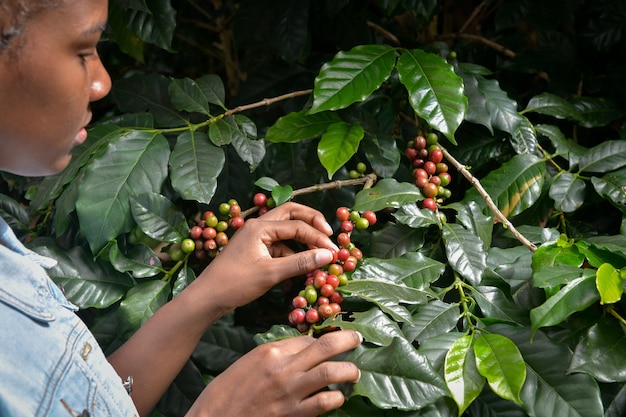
(342, 214)
(259, 200)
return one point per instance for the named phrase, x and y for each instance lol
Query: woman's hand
(256, 258)
(284, 378)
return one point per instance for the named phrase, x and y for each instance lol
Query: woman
(50, 364)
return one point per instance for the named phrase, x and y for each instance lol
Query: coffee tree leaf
(470, 215)
(338, 144)
(575, 296)
(477, 111)
(524, 138)
(564, 147)
(553, 105)
(186, 95)
(185, 276)
(515, 186)
(552, 254)
(436, 348)
(460, 373)
(221, 345)
(135, 161)
(396, 376)
(276, 332)
(213, 90)
(395, 240)
(596, 111)
(352, 76)
(500, 361)
(605, 339)
(282, 193)
(465, 252)
(249, 149)
(431, 319)
(221, 132)
(495, 304)
(140, 260)
(387, 192)
(568, 192)
(611, 249)
(435, 90)
(609, 284)
(413, 269)
(415, 217)
(290, 29)
(87, 282)
(156, 27)
(605, 157)
(195, 165)
(555, 276)
(503, 111)
(140, 303)
(489, 404)
(375, 326)
(266, 183)
(355, 406)
(611, 187)
(389, 296)
(617, 405)
(549, 389)
(298, 126)
(13, 213)
(382, 153)
(158, 217)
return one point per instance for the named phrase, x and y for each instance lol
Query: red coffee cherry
(436, 155)
(370, 216)
(342, 214)
(259, 200)
(297, 316)
(429, 203)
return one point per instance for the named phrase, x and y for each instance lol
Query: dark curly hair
(14, 17)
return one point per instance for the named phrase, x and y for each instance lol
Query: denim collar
(24, 284)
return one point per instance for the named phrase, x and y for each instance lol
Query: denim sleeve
(50, 363)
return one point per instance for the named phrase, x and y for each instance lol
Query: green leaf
(221, 345)
(435, 91)
(282, 193)
(128, 42)
(386, 193)
(431, 319)
(213, 89)
(158, 217)
(563, 146)
(277, 332)
(221, 132)
(13, 213)
(375, 326)
(87, 283)
(195, 166)
(500, 361)
(575, 296)
(387, 295)
(299, 126)
(495, 305)
(549, 389)
(515, 185)
(266, 183)
(461, 375)
(465, 252)
(553, 105)
(609, 284)
(395, 240)
(185, 276)
(471, 216)
(524, 138)
(382, 153)
(411, 215)
(601, 353)
(413, 269)
(140, 260)
(135, 161)
(156, 27)
(607, 156)
(187, 96)
(554, 276)
(249, 149)
(338, 144)
(611, 187)
(141, 302)
(290, 29)
(352, 76)
(502, 110)
(568, 192)
(396, 376)
(596, 111)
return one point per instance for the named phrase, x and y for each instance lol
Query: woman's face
(46, 88)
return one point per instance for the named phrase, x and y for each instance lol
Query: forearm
(156, 353)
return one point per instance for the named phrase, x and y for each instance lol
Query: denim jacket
(50, 363)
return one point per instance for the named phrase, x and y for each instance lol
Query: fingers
(321, 403)
(328, 346)
(301, 262)
(294, 211)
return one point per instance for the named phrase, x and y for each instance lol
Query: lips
(81, 136)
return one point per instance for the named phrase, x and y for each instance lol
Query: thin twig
(502, 49)
(267, 102)
(472, 16)
(384, 32)
(492, 206)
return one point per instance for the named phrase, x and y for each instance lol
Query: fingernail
(358, 378)
(360, 335)
(329, 229)
(323, 256)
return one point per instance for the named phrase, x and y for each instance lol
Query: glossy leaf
(413, 269)
(609, 284)
(136, 161)
(395, 240)
(465, 252)
(568, 192)
(351, 76)
(564, 147)
(282, 193)
(496, 305)
(388, 296)
(472, 217)
(461, 375)
(141, 302)
(607, 156)
(575, 296)
(611, 187)
(387, 192)
(156, 27)
(375, 326)
(249, 149)
(290, 29)
(195, 165)
(413, 216)
(553, 105)
(431, 319)
(554, 276)
(222, 344)
(396, 376)
(212, 89)
(502, 110)
(435, 91)
(596, 111)
(515, 186)
(338, 144)
(601, 353)
(499, 360)
(187, 96)
(298, 126)
(86, 283)
(524, 138)
(158, 217)
(382, 153)
(141, 260)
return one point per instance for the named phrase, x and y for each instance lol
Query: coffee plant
(485, 138)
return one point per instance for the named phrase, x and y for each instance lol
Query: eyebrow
(94, 30)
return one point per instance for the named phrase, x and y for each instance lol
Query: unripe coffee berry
(188, 245)
(335, 269)
(362, 223)
(224, 208)
(361, 167)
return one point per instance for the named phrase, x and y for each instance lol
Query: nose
(100, 82)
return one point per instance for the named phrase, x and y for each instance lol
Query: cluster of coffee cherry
(429, 171)
(320, 299)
